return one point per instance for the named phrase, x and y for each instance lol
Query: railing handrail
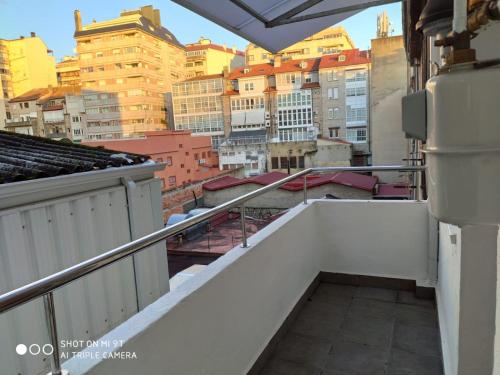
(56, 280)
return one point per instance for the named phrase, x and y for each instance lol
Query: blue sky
(53, 21)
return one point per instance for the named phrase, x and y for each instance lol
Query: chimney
(33, 34)
(277, 61)
(78, 20)
(156, 17)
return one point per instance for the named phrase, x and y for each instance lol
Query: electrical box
(414, 115)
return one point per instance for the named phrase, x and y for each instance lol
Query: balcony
(281, 305)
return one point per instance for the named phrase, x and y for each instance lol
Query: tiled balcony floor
(348, 330)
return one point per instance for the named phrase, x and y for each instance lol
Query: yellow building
(206, 58)
(127, 65)
(68, 72)
(330, 40)
(30, 64)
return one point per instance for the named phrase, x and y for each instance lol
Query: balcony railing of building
(20, 122)
(243, 141)
(46, 286)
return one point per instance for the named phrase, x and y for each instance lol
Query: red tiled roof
(301, 65)
(310, 85)
(355, 180)
(392, 191)
(33, 94)
(253, 71)
(198, 47)
(352, 57)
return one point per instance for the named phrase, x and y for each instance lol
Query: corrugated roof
(354, 180)
(25, 157)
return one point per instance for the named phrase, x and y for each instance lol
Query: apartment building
(327, 41)
(127, 64)
(68, 71)
(25, 64)
(198, 106)
(25, 114)
(345, 84)
(207, 58)
(31, 64)
(63, 114)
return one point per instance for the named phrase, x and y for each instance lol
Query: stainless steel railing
(45, 286)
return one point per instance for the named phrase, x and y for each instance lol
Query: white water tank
(463, 146)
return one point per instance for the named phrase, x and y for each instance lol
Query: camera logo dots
(34, 349)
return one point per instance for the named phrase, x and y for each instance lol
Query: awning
(277, 24)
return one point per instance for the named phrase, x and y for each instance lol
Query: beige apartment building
(207, 58)
(5, 84)
(330, 40)
(344, 79)
(127, 65)
(68, 71)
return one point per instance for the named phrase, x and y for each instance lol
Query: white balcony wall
(220, 320)
(41, 238)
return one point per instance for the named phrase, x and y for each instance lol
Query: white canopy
(277, 24)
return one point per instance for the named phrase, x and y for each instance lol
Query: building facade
(198, 106)
(127, 64)
(327, 41)
(345, 82)
(388, 85)
(25, 114)
(206, 58)
(68, 71)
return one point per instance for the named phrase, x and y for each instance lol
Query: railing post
(305, 189)
(243, 227)
(50, 319)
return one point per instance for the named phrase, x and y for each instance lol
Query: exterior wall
(335, 123)
(76, 117)
(205, 58)
(198, 107)
(30, 64)
(179, 150)
(45, 236)
(330, 40)
(125, 75)
(387, 87)
(68, 72)
(5, 84)
(330, 154)
(280, 198)
(25, 120)
(252, 157)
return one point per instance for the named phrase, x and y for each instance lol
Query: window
(301, 162)
(169, 160)
(182, 165)
(264, 56)
(330, 113)
(195, 156)
(180, 145)
(333, 93)
(99, 54)
(284, 162)
(26, 105)
(187, 153)
(336, 113)
(293, 162)
(171, 180)
(250, 57)
(189, 171)
(249, 86)
(305, 51)
(334, 132)
(76, 118)
(275, 163)
(331, 75)
(342, 58)
(357, 135)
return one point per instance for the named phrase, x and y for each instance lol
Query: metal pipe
(305, 189)
(50, 319)
(244, 242)
(49, 283)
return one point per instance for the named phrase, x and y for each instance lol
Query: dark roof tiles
(24, 157)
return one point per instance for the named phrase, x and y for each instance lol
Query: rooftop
(25, 157)
(356, 180)
(198, 47)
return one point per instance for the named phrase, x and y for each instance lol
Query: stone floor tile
(404, 363)
(379, 294)
(416, 339)
(283, 367)
(368, 330)
(409, 298)
(416, 316)
(302, 349)
(372, 308)
(355, 358)
(319, 320)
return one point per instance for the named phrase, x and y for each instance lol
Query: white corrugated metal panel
(43, 238)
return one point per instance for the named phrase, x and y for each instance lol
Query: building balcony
(20, 122)
(57, 135)
(327, 287)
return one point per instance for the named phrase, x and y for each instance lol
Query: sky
(52, 20)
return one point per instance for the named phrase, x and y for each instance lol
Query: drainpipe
(130, 187)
